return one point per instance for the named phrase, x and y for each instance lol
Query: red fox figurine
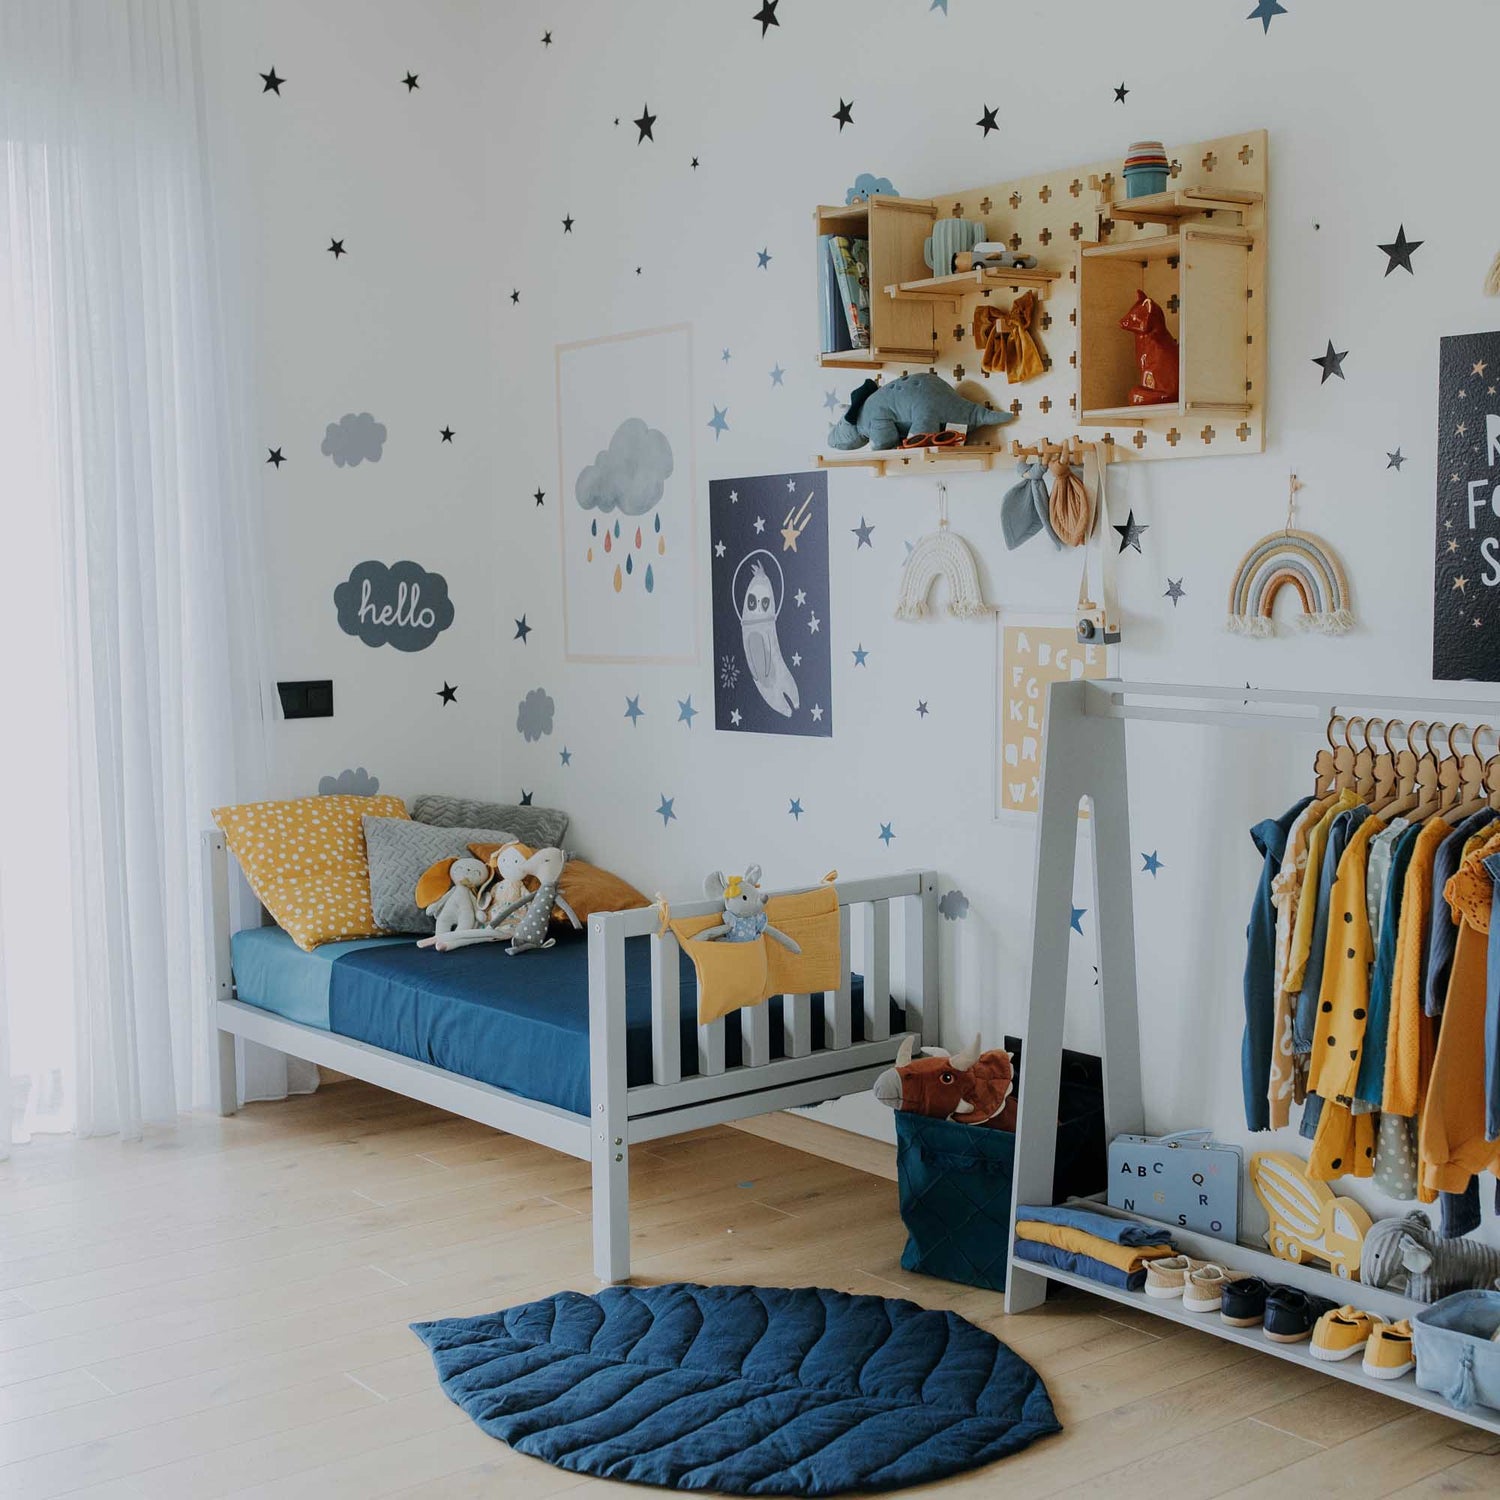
(1155, 352)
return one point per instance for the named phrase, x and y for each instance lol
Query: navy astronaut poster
(1466, 569)
(768, 540)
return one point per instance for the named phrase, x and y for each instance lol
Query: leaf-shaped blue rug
(745, 1390)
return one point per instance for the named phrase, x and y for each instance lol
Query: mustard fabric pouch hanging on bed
(734, 975)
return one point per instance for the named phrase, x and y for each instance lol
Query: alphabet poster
(1033, 655)
(773, 661)
(627, 501)
(1466, 568)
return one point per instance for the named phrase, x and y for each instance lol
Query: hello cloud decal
(400, 605)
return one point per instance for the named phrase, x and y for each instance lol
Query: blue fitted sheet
(518, 1023)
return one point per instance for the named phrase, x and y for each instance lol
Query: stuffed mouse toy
(546, 866)
(744, 911)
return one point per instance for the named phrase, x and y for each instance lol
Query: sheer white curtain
(123, 470)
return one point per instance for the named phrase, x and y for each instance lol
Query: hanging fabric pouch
(1098, 619)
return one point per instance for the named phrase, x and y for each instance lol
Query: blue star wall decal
(921, 708)
(719, 423)
(1265, 12)
(726, 356)
(885, 835)
(831, 400)
(777, 373)
(565, 756)
(1150, 864)
(522, 630)
(859, 655)
(763, 259)
(665, 812)
(686, 713)
(633, 709)
(862, 531)
(795, 809)
(941, 5)
(1076, 920)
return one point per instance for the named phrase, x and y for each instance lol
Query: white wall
(454, 197)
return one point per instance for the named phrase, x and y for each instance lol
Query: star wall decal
(633, 709)
(644, 124)
(1120, 93)
(885, 835)
(1175, 591)
(411, 81)
(665, 812)
(446, 433)
(1150, 864)
(694, 164)
(1395, 460)
(860, 655)
(922, 709)
(272, 84)
(515, 297)
(725, 357)
(795, 809)
(336, 248)
(546, 39)
(539, 495)
(1076, 920)
(567, 224)
(565, 756)
(987, 121)
(941, 5)
(844, 114)
(831, 400)
(686, 713)
(1265, 12)
(763, 259)
(277, 457)
(525, 798)
(719, 422)
(1131, 532)
(522, 630)
(1400, 251)
(1331, 363)
(777, 374)
(766, 15)
(447, 694)
(862, 531)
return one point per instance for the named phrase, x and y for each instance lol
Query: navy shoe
(1244, 1303)
(1292, 1314)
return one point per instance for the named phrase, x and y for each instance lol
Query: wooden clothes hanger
(1382, 768)
(1463, 778)
(1404, 769)
(1364, 758)
(1429, 790)
(1324, 762)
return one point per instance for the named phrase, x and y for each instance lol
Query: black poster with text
(1466, 568)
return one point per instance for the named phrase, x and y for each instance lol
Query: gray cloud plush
(350, 783)
(631, 474)
(534, 715)
(402, 605)
(954, 905)
(353, 439)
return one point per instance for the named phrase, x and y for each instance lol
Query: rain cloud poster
(768, 543)
(625, 447)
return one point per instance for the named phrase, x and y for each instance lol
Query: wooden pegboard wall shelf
(979, 282)
(1217, 191)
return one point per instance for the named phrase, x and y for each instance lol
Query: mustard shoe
(1388, 1353)
(1343, 1332)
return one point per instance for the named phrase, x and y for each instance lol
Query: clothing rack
(1083, 755)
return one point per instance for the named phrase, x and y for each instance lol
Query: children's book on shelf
(851, 269)
(834, 326)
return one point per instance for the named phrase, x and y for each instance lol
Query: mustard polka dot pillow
(306, 862)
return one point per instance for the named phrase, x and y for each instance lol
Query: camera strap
(1095, 543)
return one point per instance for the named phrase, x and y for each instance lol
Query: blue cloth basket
(955, 1183)
(1453, 1348)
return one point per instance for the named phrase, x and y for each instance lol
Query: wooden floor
(222, 1310)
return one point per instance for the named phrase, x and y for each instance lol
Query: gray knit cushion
(399, 851)
(541, 827)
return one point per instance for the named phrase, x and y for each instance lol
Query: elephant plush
(884, 415)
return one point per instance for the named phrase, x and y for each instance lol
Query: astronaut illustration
(758, 614)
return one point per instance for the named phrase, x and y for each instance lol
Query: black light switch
(306, 700)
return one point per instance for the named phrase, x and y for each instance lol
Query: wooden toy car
(1308, 1222)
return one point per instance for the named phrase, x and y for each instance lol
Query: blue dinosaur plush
(882, 415)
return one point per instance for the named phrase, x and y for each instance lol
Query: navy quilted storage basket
(954, 1182)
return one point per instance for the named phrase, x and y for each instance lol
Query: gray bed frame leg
(223, 1054)
(609, 1132)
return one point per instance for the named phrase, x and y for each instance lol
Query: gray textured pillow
(540, 827)
(399, 851)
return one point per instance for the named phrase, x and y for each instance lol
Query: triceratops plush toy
(883, 415)
(970, 1087)
(744, 911)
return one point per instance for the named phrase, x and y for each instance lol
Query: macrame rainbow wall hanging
(1301, 561)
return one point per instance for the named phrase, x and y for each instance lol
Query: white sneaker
(1167, 1276)
(1204, 1289)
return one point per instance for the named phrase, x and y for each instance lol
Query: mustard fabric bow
(1003, 337)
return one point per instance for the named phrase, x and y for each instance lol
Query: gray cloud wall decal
(534, 714)
(402, 605)
(631, 474)
(353, 439)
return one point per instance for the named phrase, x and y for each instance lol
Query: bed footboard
(713, 1093)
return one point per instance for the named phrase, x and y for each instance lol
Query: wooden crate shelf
(979, 282)
(1166, 246)
(1106, 416)
(1175, 205)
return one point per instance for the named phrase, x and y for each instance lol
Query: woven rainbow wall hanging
(1301, 561)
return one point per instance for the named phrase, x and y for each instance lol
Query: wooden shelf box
(900, 332)
(1200, 278)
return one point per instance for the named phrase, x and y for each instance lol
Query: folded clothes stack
(1105, 1249)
